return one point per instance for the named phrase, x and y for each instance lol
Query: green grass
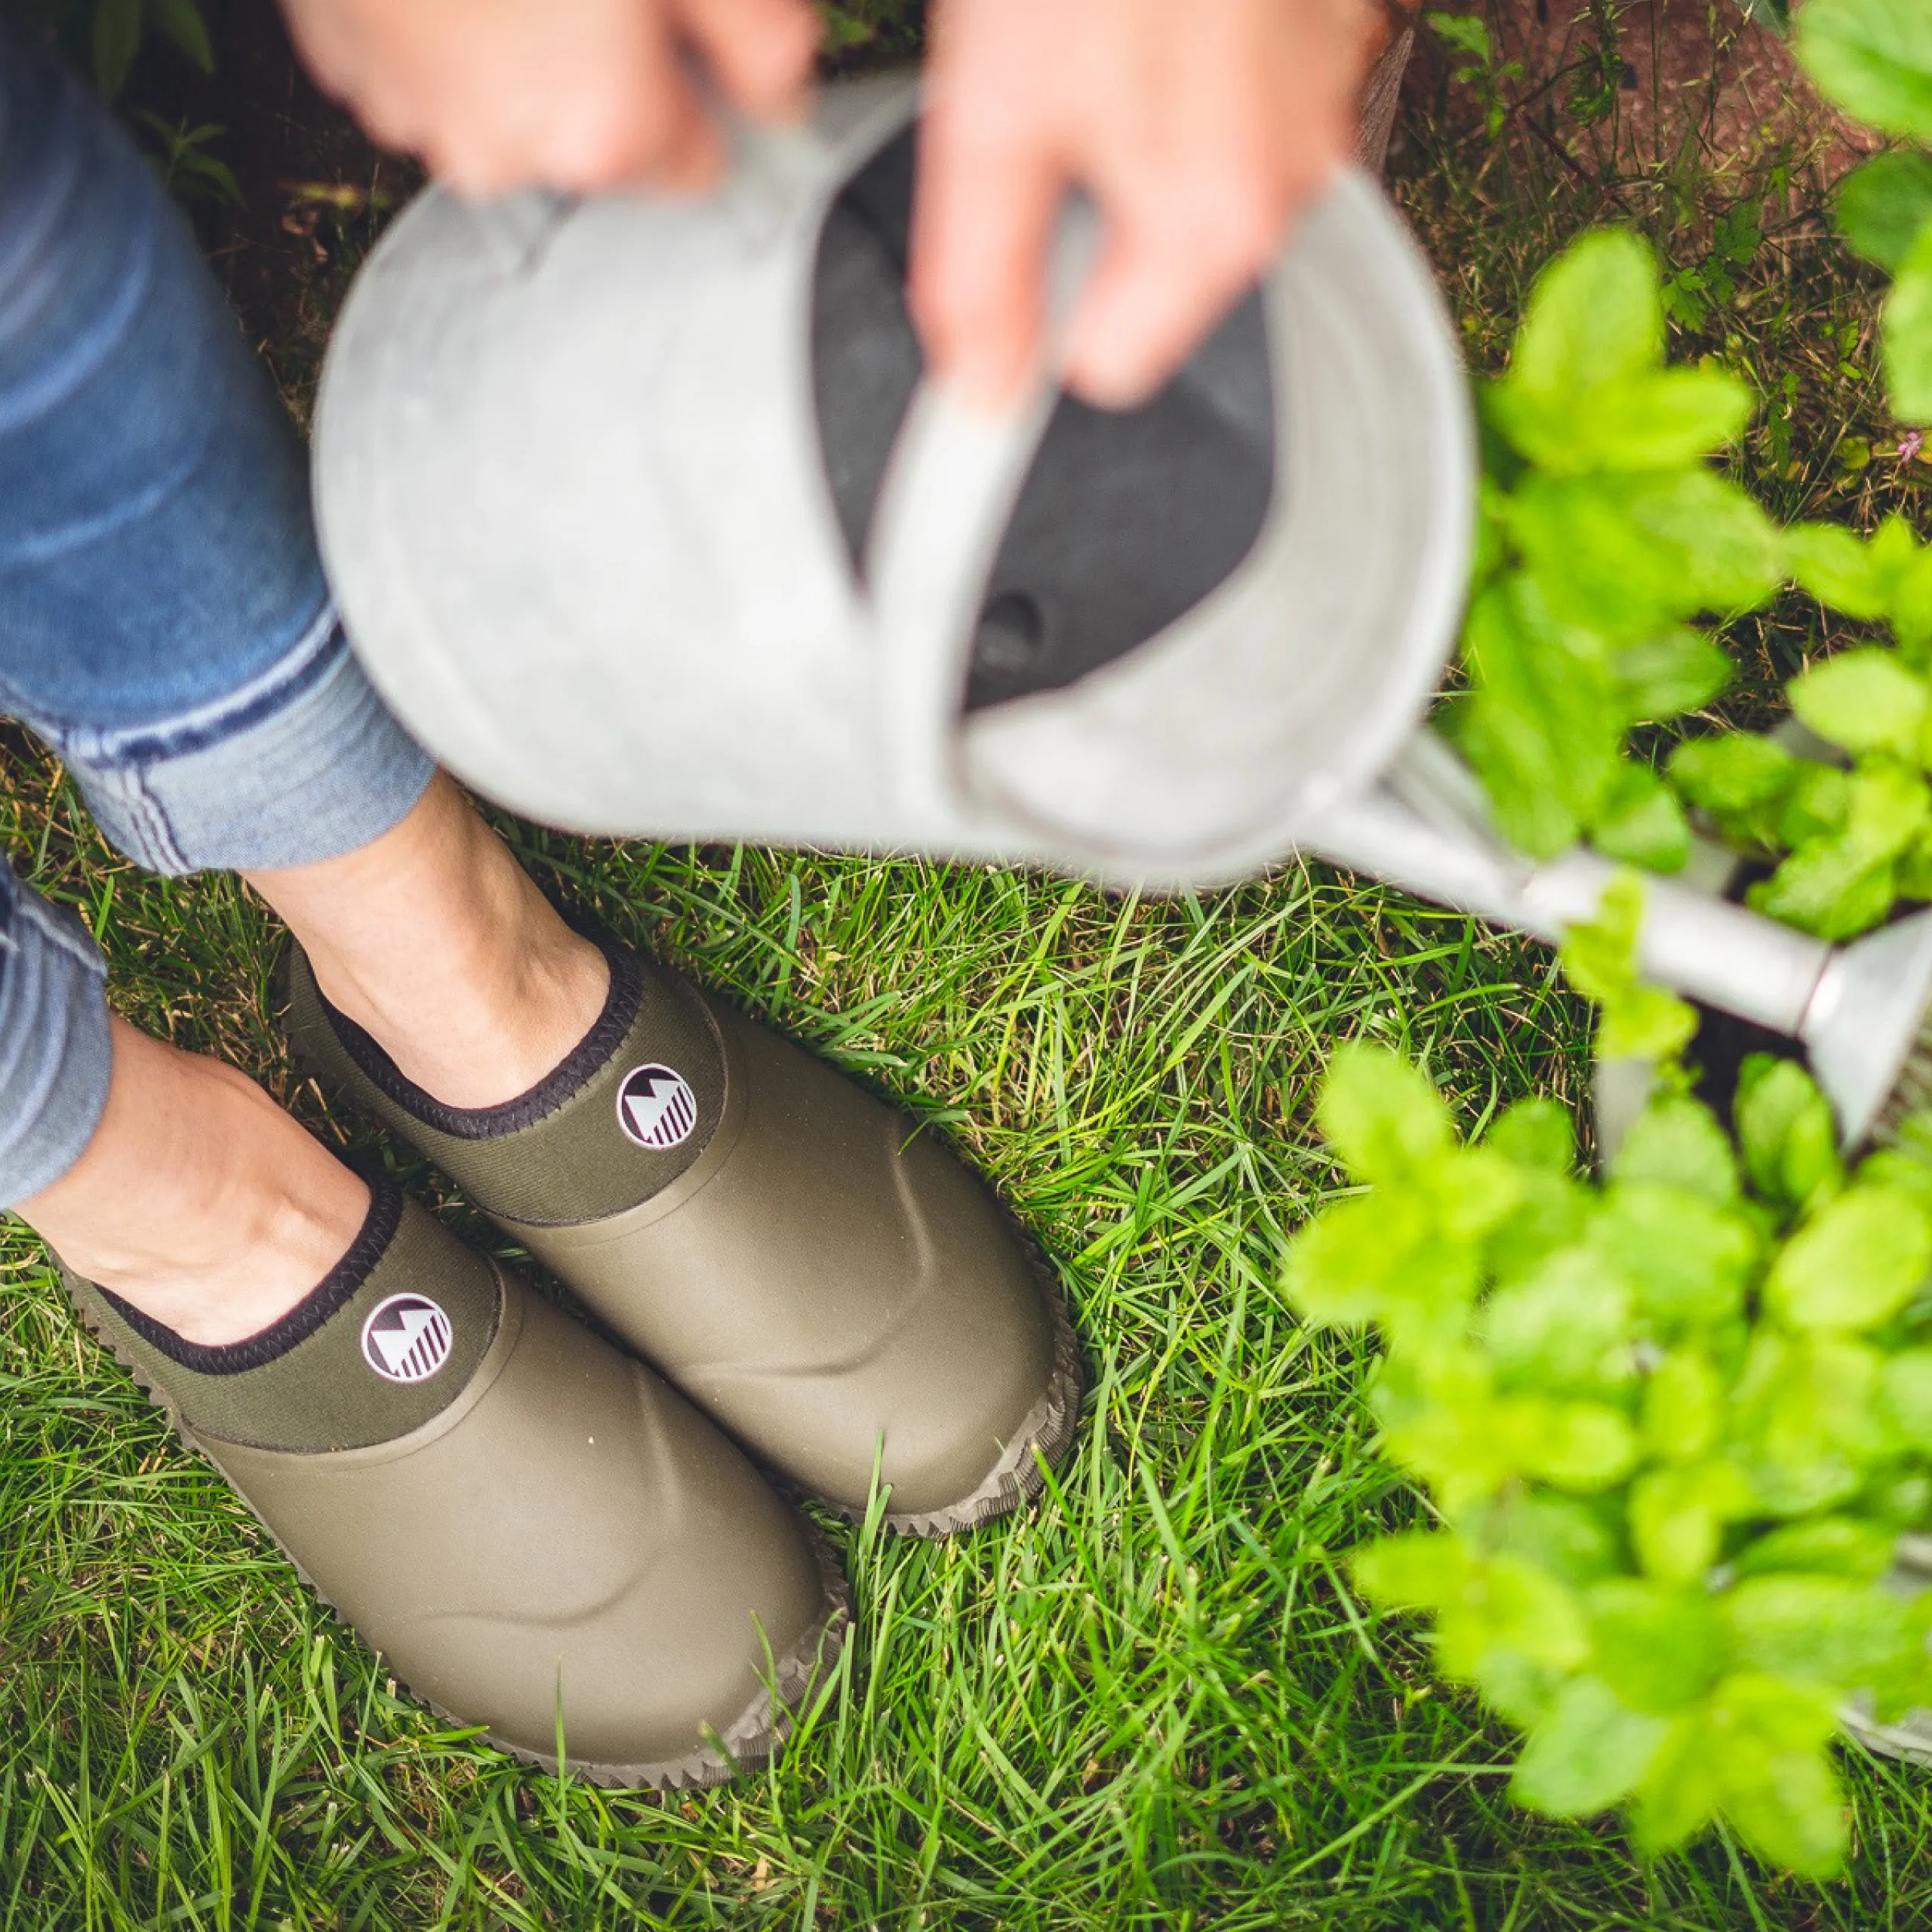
(1149, 1701)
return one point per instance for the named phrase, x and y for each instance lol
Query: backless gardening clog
(538, 1535)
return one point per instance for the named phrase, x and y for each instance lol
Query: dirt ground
(1679, 76)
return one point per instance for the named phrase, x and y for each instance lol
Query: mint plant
(1852, 833)
(1605, 533)
(1670, 1421)
(1850, 824)
(1606, 530)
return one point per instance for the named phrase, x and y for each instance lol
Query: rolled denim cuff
(56, 1054)
(301, 764)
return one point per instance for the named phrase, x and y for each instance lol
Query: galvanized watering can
(643, 518)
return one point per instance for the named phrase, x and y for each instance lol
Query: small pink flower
(1910, 444)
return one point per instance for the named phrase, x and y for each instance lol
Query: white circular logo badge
(406, 1338)
(655, 1107)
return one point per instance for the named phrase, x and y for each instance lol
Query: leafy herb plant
(1608, 528)
(1670, 1421)
(1846, 810)
(1605, 533)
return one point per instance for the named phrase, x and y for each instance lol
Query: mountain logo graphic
(406, 1338)
(655, 1107)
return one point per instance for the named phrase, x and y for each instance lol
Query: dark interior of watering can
(1128, 519)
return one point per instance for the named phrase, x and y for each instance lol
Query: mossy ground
(1150, 1700)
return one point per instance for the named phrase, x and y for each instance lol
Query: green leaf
(1647, 1024)
(1381, 1114)
(1473, 1190)
(1565, 1327)
(1594, 314)
(1830, 1631)
(1683, 1406)
(1911, 875)
(1907, 338)
(1658, 1648)
(1678, 1794)
(1599, 955)
(1842, 883)
(1768, 1739)
(1581, 1446)
(1538, 725)
(1641, 823)
(1741, 780)
(1830, 888)
(1881, 207)
(1589, 1750)
(841, 29)
(1661, 676)
(1562, 1534)
(117, 39)
(1805, 1422)
(1818, 803)
(1651, 420)
(1786, 1131)
(1678, 1515)
(1465, 32)
(1873, 59)
(1380, 1258)
(1906, 1396)
(1442, 1420)
(1676, 1142)
(1886, 807)
(1690, 1260)
(181, 21)
(1631, 553)
(1911, 609)
(1836, 567)
(1535, 1133)
(1417, 1569)
(1827, 1546)
(1551, 1213)
(1865, 700)
(1853, 1264)
(1509, 1607)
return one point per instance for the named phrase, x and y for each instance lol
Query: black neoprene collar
(335, 1289)
(569, 1077)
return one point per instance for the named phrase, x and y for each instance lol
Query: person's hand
(570, 94)
(1198, 126)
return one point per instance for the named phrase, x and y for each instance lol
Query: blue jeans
(164, 622)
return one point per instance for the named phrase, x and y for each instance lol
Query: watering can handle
(950, 485)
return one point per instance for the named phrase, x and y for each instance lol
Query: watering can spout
(1424, 827)
(1860, 1010)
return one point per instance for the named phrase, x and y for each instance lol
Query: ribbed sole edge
(752, 1740)
(1045, 1435)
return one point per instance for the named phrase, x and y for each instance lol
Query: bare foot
(198, 1200)
(437, 943)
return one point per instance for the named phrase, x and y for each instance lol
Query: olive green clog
(561, 1547)
(816, 1273)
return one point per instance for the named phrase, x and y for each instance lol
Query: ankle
(199, 1201)
(437, 944)
(491, 1023)
(279, 1251)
